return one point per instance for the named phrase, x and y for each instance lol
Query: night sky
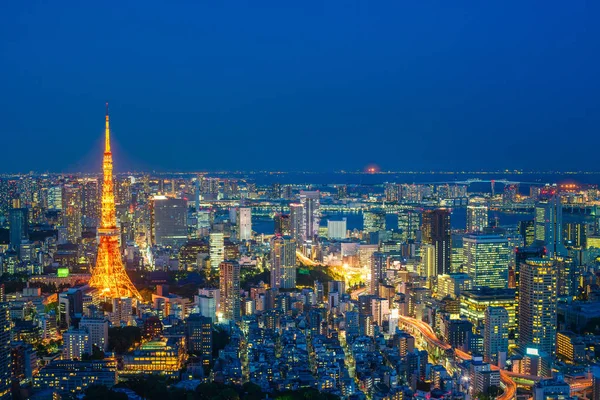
(293, 85)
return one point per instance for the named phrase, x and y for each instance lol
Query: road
(510, 387)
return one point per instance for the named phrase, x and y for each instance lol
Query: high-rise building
(495, 335)
(409, 222)
(336, 229)
(76, 343)
(199, 331)
(477, 215)
(574, 234)
(393, 192)
(72, 213)
(311, 205)
(55, 198)
(283, 262)
(19, 225)
(5, 355)
(90, 203)
(527, 231)
(217, 249)
(297, 222)
(109, 277)
(283, 225)
(229, 291)
(379, 264)
(374, 221)
(244, 223)
(548, 224)
(486, 259)
(169, 221)
(436, 231)
(537, 305)
(97, 329)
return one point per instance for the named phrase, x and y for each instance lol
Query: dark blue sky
(282, 85)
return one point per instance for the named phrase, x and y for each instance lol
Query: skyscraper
(72, 214)
(216, 249)
(548, 224)
(244, 223)
(169, 221)
(109, 276)
(477, 215)
(336, 229)
(229, 291)
(311, 204)
(90, 203)
(495, 335)
(283, 262)
(199, 336)
(378, 270)
(297, 222)
(537, 305)
(486, 260)
(436, 231)
(374, 221)
(19, 224)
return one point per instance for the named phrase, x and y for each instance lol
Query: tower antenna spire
(107, 132)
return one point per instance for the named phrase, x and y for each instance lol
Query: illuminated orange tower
(109, 275)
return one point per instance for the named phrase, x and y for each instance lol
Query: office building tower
(537, 305)
(207, 305)
(336, 229)
(229, 291)
(76, 343)
(574, 235)
(70, 305)
(217, 250)
(297, 222)
(169, 221)
(436, 231)
(548, 224)
(379, 264)
(495, 335)
(393, 192)
(311, 204)
(5, 354)
(55, 198)
(486, 259)
(477, 215)
(205, 219)
(90, 203)
(283, 225)
(97, 329)
(18, 224)
(199, 331)
(527, 231)
(409, 222)
(452, 285)
(72, 213)
(283, 262)
(428, 266)
(122, 310)
(373, 221)
(244, 223)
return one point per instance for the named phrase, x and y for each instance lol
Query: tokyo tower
(109, 276)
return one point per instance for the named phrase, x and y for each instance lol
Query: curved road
(510, 387)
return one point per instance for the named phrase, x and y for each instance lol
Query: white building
(336, 229)
(244, 223)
